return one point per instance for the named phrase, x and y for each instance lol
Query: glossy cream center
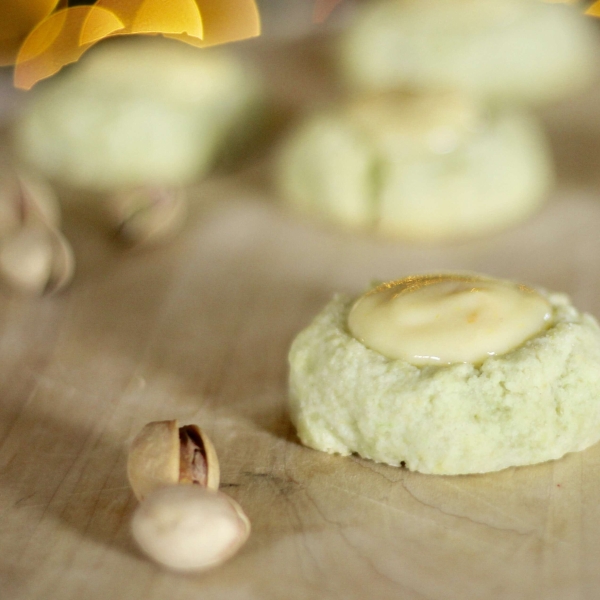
(445, 319)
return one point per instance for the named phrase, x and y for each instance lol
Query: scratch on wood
(284, 485)
(23, 499)
(464, 517)
(477, 497)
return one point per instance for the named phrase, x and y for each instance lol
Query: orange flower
(40, 39)
(594, 10)
(58, 40)
(18, 18)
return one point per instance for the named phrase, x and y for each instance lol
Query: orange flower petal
(594, 10)
(19, 17)
(225, 21)
(54, 43)
(156, 16)
(98, 25)
(323, 8)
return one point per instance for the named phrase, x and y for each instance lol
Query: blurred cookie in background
(419, 167)
(139, 111)
(527, 51)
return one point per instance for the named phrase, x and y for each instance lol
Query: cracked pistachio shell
(154, 459)
(189, 528)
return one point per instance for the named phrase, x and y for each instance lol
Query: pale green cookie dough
(138, 111)
(499, 50)
(423, 167)
(532, 404)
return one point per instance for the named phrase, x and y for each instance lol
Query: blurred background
(171, 217)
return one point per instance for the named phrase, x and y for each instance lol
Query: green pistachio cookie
(483, 406)
(138, 111)
(420, 167)
(499, 50)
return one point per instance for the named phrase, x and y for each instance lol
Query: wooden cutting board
(199, 330)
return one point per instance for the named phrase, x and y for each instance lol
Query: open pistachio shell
(165, 454)
(198, 458)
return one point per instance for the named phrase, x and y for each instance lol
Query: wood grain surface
(198, 330)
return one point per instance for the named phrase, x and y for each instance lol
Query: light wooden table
(199, 330)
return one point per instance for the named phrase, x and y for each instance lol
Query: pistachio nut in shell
(26, 259)
(189, 528)
(165, 454)
(63, 262)
(26, 200)
(40, 203)
(36, 259)
(147, 215)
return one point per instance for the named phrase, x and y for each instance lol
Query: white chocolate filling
(445, 319)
